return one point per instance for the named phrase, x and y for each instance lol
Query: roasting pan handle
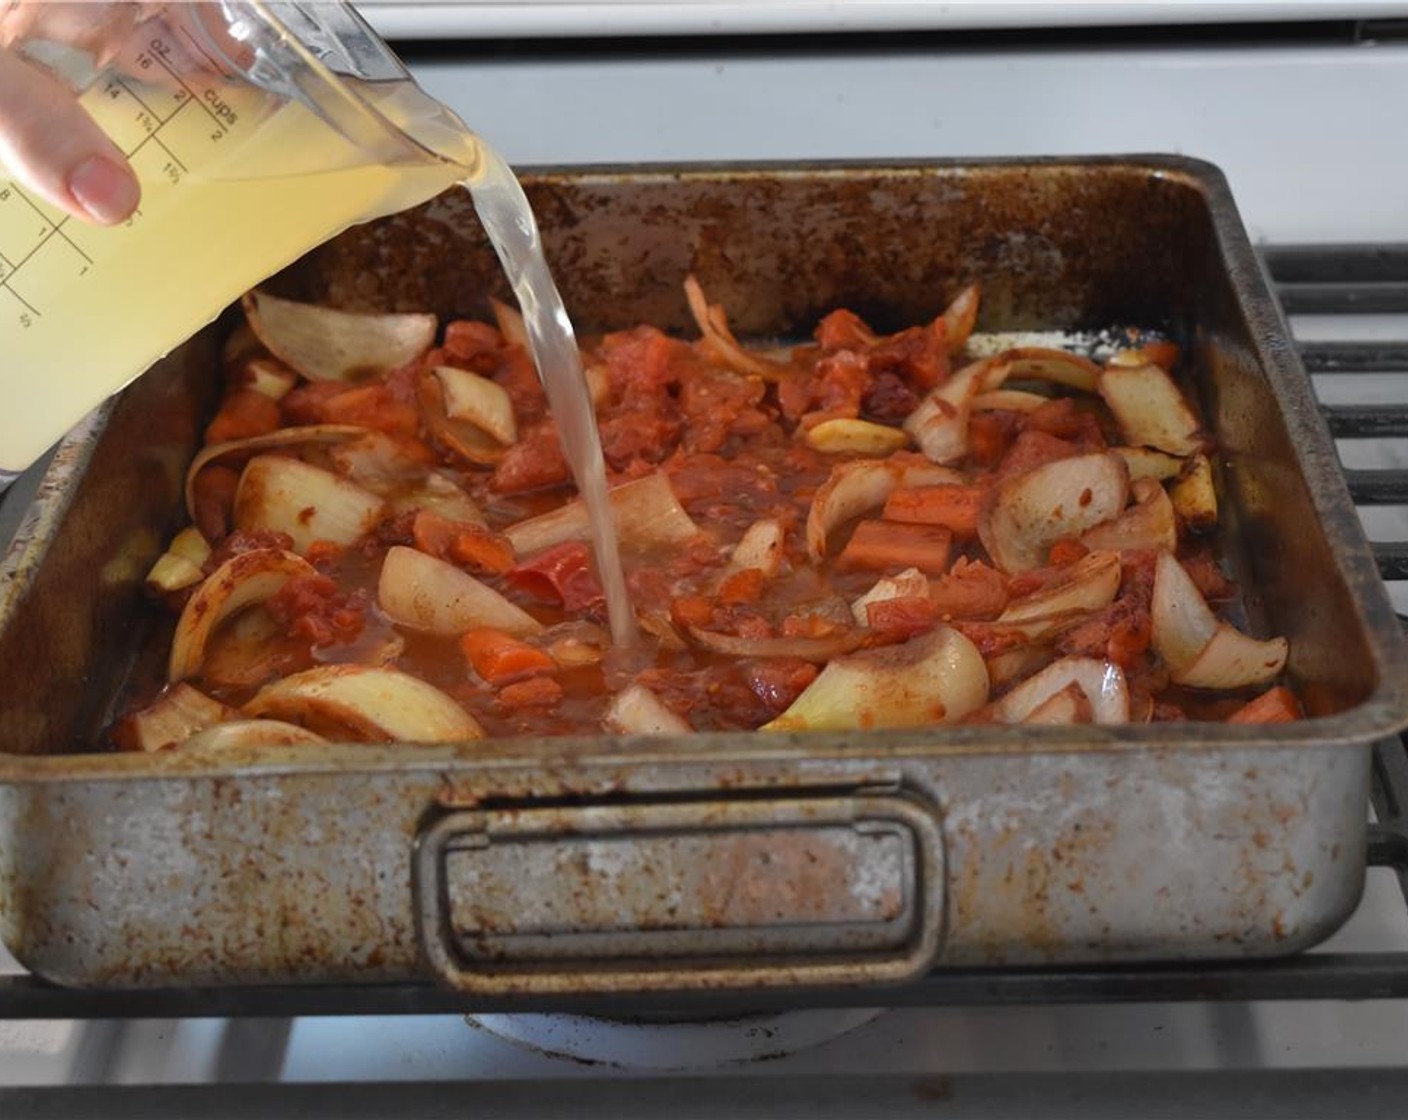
(685, 895)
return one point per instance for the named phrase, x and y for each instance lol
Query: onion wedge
(310, 435)
(713, 325)
(378, 462)
(437, 494)
(1009, 400)
(461, 437)
(1194, 496)
(324, 344)
(1026, 514)
(481, 402)
(1102, 682)
(243, 580)
(510, 323)
(860, 485)
(179, 712)
(842, 436)
(1150, 410)
(760, 548)
(1149, 524)
(269, 377)
(648, 515)
(635, 710)
(939, 426)
(959, 318)
(1200, 650)
(306, 502)
(1090, 585)
(1182, 622)
(423, 593)
(1145, 462)
(806, 649)
(182, 564)
(1070, 705)
(1043, 363)
(387, 705)
(251, 733)
(1014, 664)
(938, 677)
(1232, 659)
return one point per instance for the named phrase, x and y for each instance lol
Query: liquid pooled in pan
(861, 531)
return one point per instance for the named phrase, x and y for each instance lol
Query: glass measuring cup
(257, 131)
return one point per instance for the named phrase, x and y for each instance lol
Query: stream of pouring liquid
(508, 220)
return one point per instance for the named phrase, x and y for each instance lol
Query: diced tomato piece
(323, 554)
(243, 413)
(1034, 449)
(1065, 420)
(743, 587)
(777, 682)
(468, 338)
(1202, 568)
(312, 608)
(902, 617)
(534, 462)
(970, 590)
(372, 406)
(990, 434)
(306, 403)
(469, 546)
(246, 540)
(1066, 551)
(883, 545)
(843, 330)
(955, 507)
(919, 355)
(500, 658)
(561, 573)
(888, 400)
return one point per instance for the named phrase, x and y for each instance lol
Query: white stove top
(556, 18)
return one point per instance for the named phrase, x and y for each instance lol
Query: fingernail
(106, 190)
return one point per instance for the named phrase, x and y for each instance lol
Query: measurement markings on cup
(30, 229)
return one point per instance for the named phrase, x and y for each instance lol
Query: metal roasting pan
(722, 862)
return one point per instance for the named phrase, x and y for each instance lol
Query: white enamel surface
(1310, 137)
(508, 18)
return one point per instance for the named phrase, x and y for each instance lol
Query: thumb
(51, 145)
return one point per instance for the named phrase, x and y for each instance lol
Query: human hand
(48, 142)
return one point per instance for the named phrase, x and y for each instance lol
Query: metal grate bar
(1368, 421)
(1393, 559)
(1344, 299)
(1351, 976)
(1292, 264)
(1378, 487)
(1354, 357)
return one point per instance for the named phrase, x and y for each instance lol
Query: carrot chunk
(1278, 705)
(499, 658)
(955, 507)
(891, 544)
(535, 692)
